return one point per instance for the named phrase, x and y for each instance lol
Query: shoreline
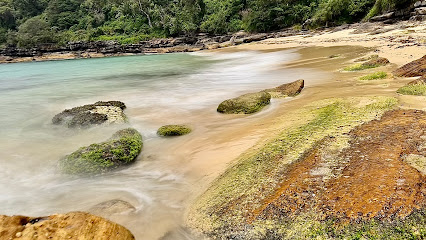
(98, 49)
(398, 36)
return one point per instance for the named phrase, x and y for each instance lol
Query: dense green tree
(33, 32)
(129, 21)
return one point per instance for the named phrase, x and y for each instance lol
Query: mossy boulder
(92, 114)
(173, 130)
(289, 89)
(245, 104)
(121, 149)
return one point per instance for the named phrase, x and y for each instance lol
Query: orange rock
(73, 225)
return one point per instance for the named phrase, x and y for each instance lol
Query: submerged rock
(173, 130)
(412, 69)
(111, 207)
(73, 225)
(245, 104)
(121, 149)
(92, 114)
(289, 89)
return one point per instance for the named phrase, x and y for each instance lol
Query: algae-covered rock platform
(341, 173)
(121, 149)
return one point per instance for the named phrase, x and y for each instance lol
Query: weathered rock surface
(412, 69)
(92, 114)
(112, 207)
(421, 80)
(73, 225)
(245, 104)
(121, 149)
(173, 130)
(376, 62)
(289, 89)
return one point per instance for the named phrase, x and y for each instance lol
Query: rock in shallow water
(111, 207)
(173, 130)
(245, 104)
(121, 149)
(73, 225)
(92, 114)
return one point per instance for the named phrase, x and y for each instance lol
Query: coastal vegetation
(30, 23)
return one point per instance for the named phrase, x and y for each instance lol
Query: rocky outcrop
(173, 130)
(376, 62)
(245, 104)
(412, 69)
(419, 12)
(289, 89)
(83, 49)
(73, 225)
(120, 150)
(421, 80)
(112, 207)
(92, 114)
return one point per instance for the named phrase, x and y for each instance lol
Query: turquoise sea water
(157, 89)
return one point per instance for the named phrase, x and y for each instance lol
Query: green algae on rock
(92, 114)
(372, 63)
(173, 130)
(245, 104)
(413, 89)
(374, 76)
(228, 207)
(121, 149)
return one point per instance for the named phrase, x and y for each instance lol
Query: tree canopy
(28, 23)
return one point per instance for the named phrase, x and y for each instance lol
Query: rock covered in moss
(92, 114)
(121, 149)
(73, 225)
(412, 69)
(245, 104)
(173, 130)
(289, 89)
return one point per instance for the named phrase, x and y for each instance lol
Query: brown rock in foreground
(412, 69)
(289, 89)
(73, 225)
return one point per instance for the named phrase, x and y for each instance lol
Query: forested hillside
(27, 23)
